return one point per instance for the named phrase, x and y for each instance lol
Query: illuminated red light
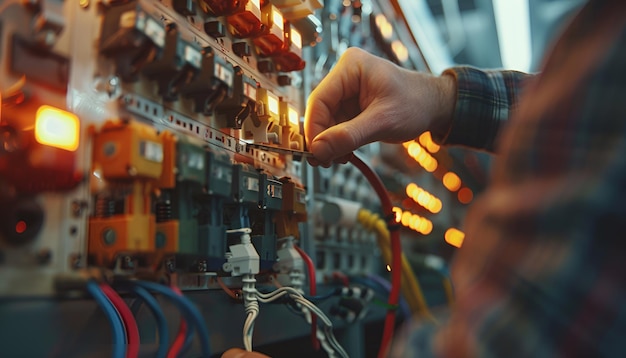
(20, 227)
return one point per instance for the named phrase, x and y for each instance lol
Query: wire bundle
(396, 251)
(326, 335)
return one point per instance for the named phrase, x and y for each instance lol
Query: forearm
(484, 101)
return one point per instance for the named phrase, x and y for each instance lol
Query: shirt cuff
(483, 104)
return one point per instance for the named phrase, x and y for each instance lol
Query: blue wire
(188, 340)
(189, 310)
(155, 308)
(117, 325)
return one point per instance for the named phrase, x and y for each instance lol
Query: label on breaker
(155, 32)
(195, 161)
(151, 151)
(220, 173)
(249, 91)
(193, 56)
(252, 184)
(274, 191)
(224, 74)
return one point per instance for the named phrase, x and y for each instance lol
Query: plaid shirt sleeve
(485, 100)
(542, 270)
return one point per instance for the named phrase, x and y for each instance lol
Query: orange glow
(57, 128)
(436, 206)
(406, 218)
(454, 237)
(415, 221)
(414, 149)
(451, 181)
(406, 145)
(465, 195)
(396, 210)
(426, 141)
(411, 189)
(388, 268)
(428, 227)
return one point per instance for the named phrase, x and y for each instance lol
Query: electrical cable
(117, 327)
(225, 288)
(189, 310)
(375, 282)
(327, 337)
(155, 308)
(186, 330)
(396, 251)
(410, 285)
(312, 291)
(132, 331)
(179, 341)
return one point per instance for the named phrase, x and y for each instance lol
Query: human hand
(240, 353)
(366, 99)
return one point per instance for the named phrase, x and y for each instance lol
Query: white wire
(248, 328)
(327, 337)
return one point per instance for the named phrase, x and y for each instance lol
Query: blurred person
(542, 271)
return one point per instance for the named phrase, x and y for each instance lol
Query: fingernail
(321, 150)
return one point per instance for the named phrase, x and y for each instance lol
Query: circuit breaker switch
(272, 40)
(246, 22)
(242, 258)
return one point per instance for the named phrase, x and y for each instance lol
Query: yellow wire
(411, 289)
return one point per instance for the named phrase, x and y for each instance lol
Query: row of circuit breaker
(162, 194)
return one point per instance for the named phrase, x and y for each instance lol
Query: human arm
(366, 99)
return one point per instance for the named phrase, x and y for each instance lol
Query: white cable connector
(290, 265)
(242, 258)
(251, 305)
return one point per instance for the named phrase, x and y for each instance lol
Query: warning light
(57, 128)
(296, 38)
(277, 19)
(294, 117)
(388, 268)
(20, 227)
(454, 237)
(398, 213)
(273, 104)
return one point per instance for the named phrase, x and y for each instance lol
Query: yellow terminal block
(293, 210)
(266, 126)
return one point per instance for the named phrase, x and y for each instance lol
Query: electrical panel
(128, 135)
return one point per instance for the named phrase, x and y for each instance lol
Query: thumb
(344, 138)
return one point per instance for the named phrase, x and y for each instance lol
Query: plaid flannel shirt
(542, 271)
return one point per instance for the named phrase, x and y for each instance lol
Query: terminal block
(212, 85)
(177, 205)
(219, 178)
(262, 218)
(293, 210)
(246, 20)
(242, 104)
(292, 137)
(177, 66)
(289, 58)
(132, 38)
(265, 126)
(127, 164)
(272, 40)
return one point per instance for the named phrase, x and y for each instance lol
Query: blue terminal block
(212, 230)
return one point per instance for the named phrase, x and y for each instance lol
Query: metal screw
(44, 256)
(202, 266)
(109, 236)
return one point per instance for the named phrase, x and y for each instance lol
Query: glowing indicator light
(277, 19)
(426, 140)
(20, 227)
(388, 268)
(296, 38)
(294, 117)
(451, 181)
(57, 128)
(406, 218)
(256, 3)
(386, 30)
(272, 103)
(398, 212)
(454, 237)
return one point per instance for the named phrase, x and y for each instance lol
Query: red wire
(312, 291)
(396, 252)
(179, 341)
(132, 332)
